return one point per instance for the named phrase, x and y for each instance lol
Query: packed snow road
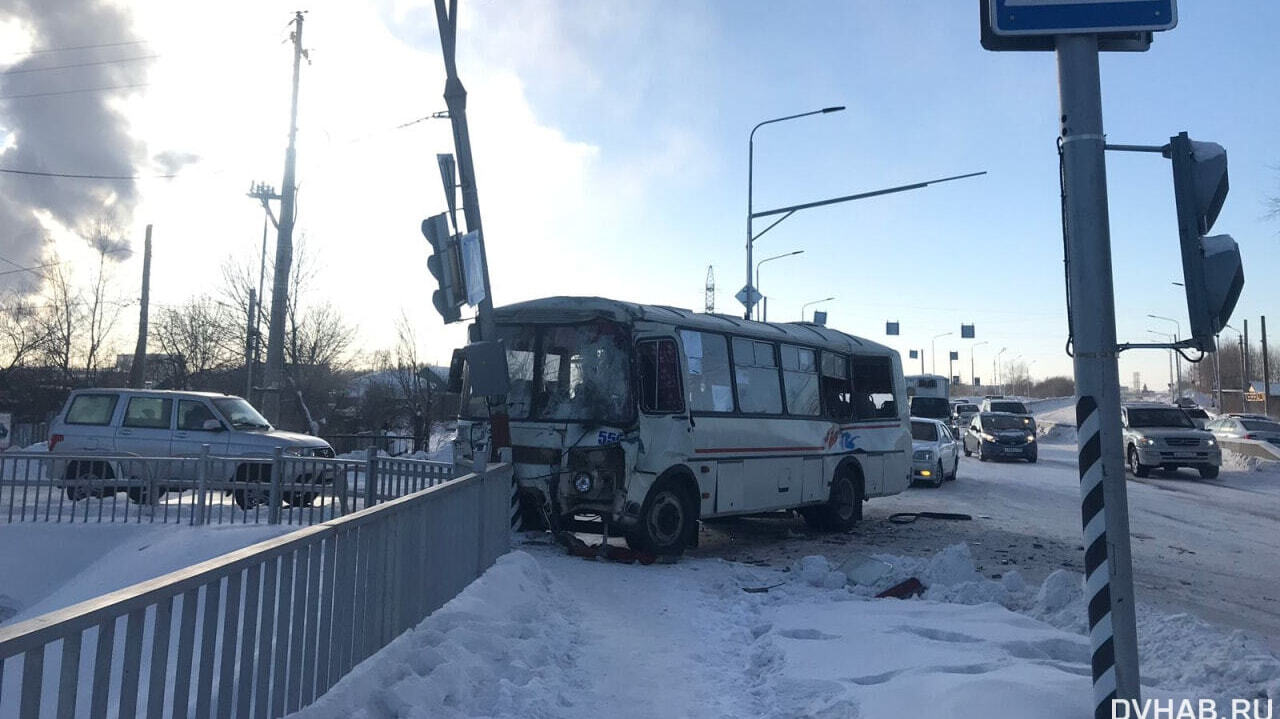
(1207, 547)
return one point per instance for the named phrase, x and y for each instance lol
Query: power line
(35, 173)
(80, 47)
(72, 92)
(79, 64)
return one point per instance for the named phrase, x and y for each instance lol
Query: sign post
(1076, 31)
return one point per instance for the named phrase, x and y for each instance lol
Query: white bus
(929, 396)
(654, 417)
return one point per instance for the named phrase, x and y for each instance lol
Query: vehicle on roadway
(1198, 416)
(165, 423)
(1163, 436)
(1237, 428)
(929, 395)
(961, 414)
(1010, 406)
(935, 453)
(652, 418)
(1001, 435)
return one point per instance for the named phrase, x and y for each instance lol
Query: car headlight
(1212, 443)
(1031, 438)
(987, 437)
(1146, 441)
(582, 482)
(922, 455)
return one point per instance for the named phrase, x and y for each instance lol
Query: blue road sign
(1063, 17)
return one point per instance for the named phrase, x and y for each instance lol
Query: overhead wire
(73, 92)
(80, 47)
(37, 173)
(95, 63)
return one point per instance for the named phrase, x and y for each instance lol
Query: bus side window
(707, 379)
(660, 376)
(756, 372)
(873, 388)
(836, 400)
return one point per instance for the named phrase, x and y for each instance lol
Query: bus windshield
(566, 373)
(930, 407)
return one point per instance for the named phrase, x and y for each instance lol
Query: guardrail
(203, 489)
(263, 631)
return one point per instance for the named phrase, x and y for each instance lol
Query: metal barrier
(263, 631)
(204, 489)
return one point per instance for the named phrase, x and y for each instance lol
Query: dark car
(1001, 435)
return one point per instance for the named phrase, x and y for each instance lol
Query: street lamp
(933, 356)
(751, 152)
(1177, 391)
(807, 305)
(764, 316)
(973, 375)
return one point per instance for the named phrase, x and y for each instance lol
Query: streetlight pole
(764, 315)
(807, 305)
(995, 367)
(751, 153)
(1171, 338)
(973, 375)
(933, 355)
(1177, 388)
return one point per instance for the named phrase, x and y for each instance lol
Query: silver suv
(1163, 436)
(160, 423)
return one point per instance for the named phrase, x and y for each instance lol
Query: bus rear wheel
(843, 509)
(667, 520)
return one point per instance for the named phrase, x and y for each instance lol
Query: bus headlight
(582, 482)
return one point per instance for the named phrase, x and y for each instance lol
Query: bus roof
(580, 309)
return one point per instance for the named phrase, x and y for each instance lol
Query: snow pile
(500, 648)
(1180, 653)
(1233, 461)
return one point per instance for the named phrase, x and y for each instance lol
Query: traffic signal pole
(455, 97)
(1104, 505)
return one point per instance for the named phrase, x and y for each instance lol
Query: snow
(546, 635)
(48, 566)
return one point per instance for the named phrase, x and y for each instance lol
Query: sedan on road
(935, 453)
(1001, 435)
(1264, 430)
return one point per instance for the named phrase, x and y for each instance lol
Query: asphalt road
(1207, 547)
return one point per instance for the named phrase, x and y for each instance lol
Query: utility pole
(455, 97)
(1104, 502)
(272, 385)
(1266, 371)
(249, 343)
(1248, 370)
(138, 370)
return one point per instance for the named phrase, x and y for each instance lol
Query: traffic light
(445, 265)
(1211, 268)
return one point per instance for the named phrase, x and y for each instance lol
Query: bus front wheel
(667, 520)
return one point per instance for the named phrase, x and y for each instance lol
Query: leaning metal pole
(1104, 506)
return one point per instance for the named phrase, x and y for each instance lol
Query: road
(1207, 547)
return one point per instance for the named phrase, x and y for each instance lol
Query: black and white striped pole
(1091, 297)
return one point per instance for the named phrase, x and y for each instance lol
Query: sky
(611, 152)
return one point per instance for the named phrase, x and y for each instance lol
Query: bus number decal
(608, 437)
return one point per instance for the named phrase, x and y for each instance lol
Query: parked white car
(1238, 428)
(935, 453)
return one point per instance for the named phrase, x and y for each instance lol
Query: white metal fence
(204, 489)
(265, 630)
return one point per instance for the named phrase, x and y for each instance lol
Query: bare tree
(23, 335)
(415, 390)
(61, 319)
(196, 337)
(103, 308)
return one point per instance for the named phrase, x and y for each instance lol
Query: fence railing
(263, 631)
(204, 489)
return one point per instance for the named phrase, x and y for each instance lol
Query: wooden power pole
(138, 370)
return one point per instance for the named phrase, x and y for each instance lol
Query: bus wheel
(842, 510)
(666, 521)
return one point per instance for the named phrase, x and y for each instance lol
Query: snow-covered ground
(546, 635)
(46, 566)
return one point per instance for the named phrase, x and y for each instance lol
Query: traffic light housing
(445, 265)
(1212, 272)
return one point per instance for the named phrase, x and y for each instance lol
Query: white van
(654, 417)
